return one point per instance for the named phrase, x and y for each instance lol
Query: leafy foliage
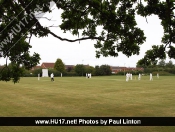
(80, 69)
(162, 63)
(165, 11)
(59, 65)
(11, 72)
(97, 70)
(161, 67)
(170, 64)
(90, 69)
(103, 70)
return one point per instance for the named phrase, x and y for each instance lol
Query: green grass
(98, 96)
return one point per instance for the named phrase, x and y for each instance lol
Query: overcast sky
(51, 48)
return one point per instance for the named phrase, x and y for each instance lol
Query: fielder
(127, 77)
(139, 77)
(151, 77)
(52, 77)
(131, 76)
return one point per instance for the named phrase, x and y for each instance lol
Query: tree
(90, 69)
(59, 66)
(119, 31)
(80, 69)
(37, 71)
(165, 11)
(169, 64)
(97, 70)
(12, 72)
(105, 70)
(18, 55)
(144, 62)
(162, 63)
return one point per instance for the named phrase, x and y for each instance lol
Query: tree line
(163, 67)
(78, 70)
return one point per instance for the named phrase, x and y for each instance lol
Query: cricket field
(108, 96)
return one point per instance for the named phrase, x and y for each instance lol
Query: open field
(98, 96)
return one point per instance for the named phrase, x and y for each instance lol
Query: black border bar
(87, 121)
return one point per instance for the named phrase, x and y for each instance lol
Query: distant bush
(28, 73)
(132, 72)
(120, 73)
(163, 73)
(36, 72)
(70, 74)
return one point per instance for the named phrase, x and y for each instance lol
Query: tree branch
(146, 19)
(52, 26)
(172, 8)
(30, 37)
(69, 40)
(166, 45)
(53, 34)
(46, 18)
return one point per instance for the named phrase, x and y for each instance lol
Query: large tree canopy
(59, 65)
(83, 18)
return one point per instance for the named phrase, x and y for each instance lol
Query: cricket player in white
(127, 77)
(157, 75)
(52, 77)
(151, 77)
(139, 77)
(131, 76)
